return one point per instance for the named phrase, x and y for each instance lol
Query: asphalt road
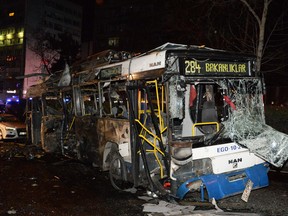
(34, 183)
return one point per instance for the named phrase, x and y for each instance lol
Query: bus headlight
(202, 166)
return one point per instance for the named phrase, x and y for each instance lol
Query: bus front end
(217, 104)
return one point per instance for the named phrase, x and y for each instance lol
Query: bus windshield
(204, 106)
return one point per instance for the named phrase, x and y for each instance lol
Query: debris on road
(11, 211)
(61, 183)
(167, 208)
(247, 191)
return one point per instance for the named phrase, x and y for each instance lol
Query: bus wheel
(117, 172)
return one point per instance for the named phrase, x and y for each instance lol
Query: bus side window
(106, 104)
(119, 104)
(89, 105)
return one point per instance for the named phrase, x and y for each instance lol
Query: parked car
(11, 128)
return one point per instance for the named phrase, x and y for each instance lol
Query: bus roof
(155, 60)
(109, 64)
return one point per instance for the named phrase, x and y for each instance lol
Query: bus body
(157, 120)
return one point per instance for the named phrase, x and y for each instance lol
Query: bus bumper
(219, 186)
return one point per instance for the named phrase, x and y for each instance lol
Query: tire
(118, 172)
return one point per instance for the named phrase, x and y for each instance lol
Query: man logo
(235, 162)
(155, 64)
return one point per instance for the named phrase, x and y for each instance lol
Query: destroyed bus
(177, 120)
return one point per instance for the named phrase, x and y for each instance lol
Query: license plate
(22, 133)
(247, 191)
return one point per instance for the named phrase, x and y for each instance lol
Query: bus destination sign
(195, 67)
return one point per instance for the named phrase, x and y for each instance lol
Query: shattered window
(53, 105)
(246, 111)
(199, 110)
(119, 104)
(114, 100)
(246, 123)
(226, 110)
(106, 104)
(89, 104)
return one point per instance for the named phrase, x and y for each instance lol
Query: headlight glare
(10, 128)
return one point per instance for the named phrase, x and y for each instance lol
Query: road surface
(34, 183)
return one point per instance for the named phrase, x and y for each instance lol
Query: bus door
(148, 114)
(196, 110)
(56, 115)
(33, 120)
(206, 108)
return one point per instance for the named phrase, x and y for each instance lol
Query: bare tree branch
(252, 11)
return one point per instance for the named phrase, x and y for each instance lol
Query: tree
(261, 21)
(41, 45)
(54, 51)
(247, 26)
(254, 28)
(68, 50)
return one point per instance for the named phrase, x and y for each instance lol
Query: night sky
(183, 22)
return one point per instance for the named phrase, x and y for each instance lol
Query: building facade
(21, 23)
(12, 18)
(129, 25)
(140, 25)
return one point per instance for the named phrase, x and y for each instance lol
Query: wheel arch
(107, 154)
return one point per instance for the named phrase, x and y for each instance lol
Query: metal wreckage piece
(246, 123)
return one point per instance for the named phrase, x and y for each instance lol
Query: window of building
(8, 42)
(113, 42)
